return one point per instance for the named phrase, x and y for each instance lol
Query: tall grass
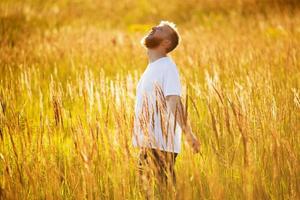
(67, 92)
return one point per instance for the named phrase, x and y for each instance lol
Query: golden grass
(67, 92)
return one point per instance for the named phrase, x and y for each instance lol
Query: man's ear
(167, 43)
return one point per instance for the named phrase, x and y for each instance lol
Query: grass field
(68, 72)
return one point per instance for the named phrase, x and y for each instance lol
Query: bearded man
(159, 112)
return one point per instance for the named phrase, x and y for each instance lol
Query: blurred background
(81, 28)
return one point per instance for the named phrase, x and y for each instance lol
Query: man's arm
(175, 105)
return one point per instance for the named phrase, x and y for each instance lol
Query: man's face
(156, 36)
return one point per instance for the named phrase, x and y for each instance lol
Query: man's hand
(196, 145)
(193, 141)
(175, 105)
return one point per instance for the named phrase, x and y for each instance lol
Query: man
(159, 113)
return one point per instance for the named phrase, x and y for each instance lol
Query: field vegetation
(68, 74)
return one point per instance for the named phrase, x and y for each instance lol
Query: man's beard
(151, 42)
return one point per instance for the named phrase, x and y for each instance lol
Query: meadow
(68, 74)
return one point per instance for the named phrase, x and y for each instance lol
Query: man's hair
(174, 36)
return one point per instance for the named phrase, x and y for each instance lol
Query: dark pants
(162, 163)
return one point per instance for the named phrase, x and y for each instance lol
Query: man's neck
(153, 55)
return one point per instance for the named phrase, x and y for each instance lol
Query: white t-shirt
(155, 127)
